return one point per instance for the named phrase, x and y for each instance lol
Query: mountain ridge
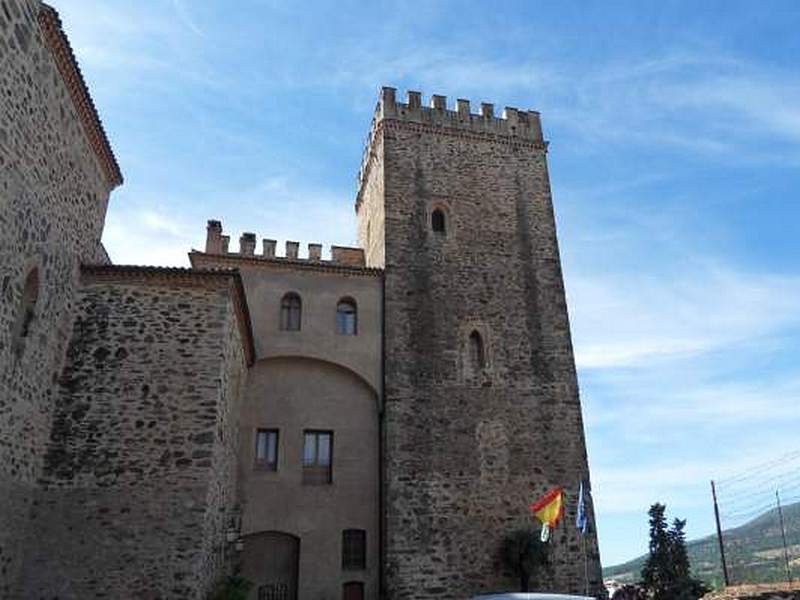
(753, 552)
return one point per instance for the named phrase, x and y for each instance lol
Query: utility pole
(719, 536)
(783, 534)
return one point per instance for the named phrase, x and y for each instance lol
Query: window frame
(266, 465)
(342, 327)
(359, 585)
(435, 213)
(287, 307)
(354, 561)
(315, 473)
(475, 340)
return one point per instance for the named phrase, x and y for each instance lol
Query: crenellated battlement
(522, 126)
(512, 122)
(218, 244)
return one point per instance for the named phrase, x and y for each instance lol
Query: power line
(758, 469)
(748, 495)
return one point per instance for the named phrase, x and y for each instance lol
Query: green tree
(524, 554)
(656, 570)
(667, 574)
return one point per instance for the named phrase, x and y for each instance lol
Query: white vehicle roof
(526, 596)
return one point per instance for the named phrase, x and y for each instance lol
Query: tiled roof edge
(67, 64)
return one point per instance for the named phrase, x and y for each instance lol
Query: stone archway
(270, 561)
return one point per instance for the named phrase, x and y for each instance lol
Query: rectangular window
(354, 549)
(267, 449)
(317, 457)
(353, 590)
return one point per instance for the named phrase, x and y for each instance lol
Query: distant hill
(754, 552)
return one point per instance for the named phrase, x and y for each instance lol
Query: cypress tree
(656, 572)
(667, 574)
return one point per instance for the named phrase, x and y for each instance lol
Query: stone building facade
(365, 426)
(480, 392)
(309, 375)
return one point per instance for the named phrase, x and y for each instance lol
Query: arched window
(477, 355)
(26, 313)
(346, 317)
(438, 221)
(30, 294)
(291, 311)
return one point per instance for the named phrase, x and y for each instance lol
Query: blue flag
(580, 518)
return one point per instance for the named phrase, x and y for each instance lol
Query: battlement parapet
(513, 124)
(523, 124)
(218, 244)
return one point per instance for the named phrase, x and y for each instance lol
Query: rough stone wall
(223, 498)
(139, 472)
(466, 451)
(53, 197)
(767, 591)
(371, 230)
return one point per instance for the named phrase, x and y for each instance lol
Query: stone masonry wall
(767, 591)
(139, 474)
(371, 217)
(467, 451)
(53, 197)
(223, 497)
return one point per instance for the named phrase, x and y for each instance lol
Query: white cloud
(148, 237)
(624, 319)
(185, 17)
(148, 232)
(286, 208)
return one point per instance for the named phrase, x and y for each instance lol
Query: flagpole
(585, 567)
(581, 526)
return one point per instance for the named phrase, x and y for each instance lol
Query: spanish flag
(549, 509)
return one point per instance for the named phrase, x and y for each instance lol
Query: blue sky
(674, 158)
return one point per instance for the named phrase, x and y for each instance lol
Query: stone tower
(482, 413)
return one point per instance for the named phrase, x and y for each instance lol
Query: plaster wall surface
(312, 379)
(53, 197)
(139, 473)
(467, 449)
(294, 395)
(320, 290)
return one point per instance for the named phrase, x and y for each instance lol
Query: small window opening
(438, 221)
(353, 590)
(317, 457)
(27, 308)
(354, 549)
(267, 449)
(291, 311)
(346, 317)
(477, 356)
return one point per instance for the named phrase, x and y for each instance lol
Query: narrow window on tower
(27, 309)
(354, 549)
(291, 312)
(438, 223)
(267, 449)
(477, 354)
(317, 457)
(346, 317)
